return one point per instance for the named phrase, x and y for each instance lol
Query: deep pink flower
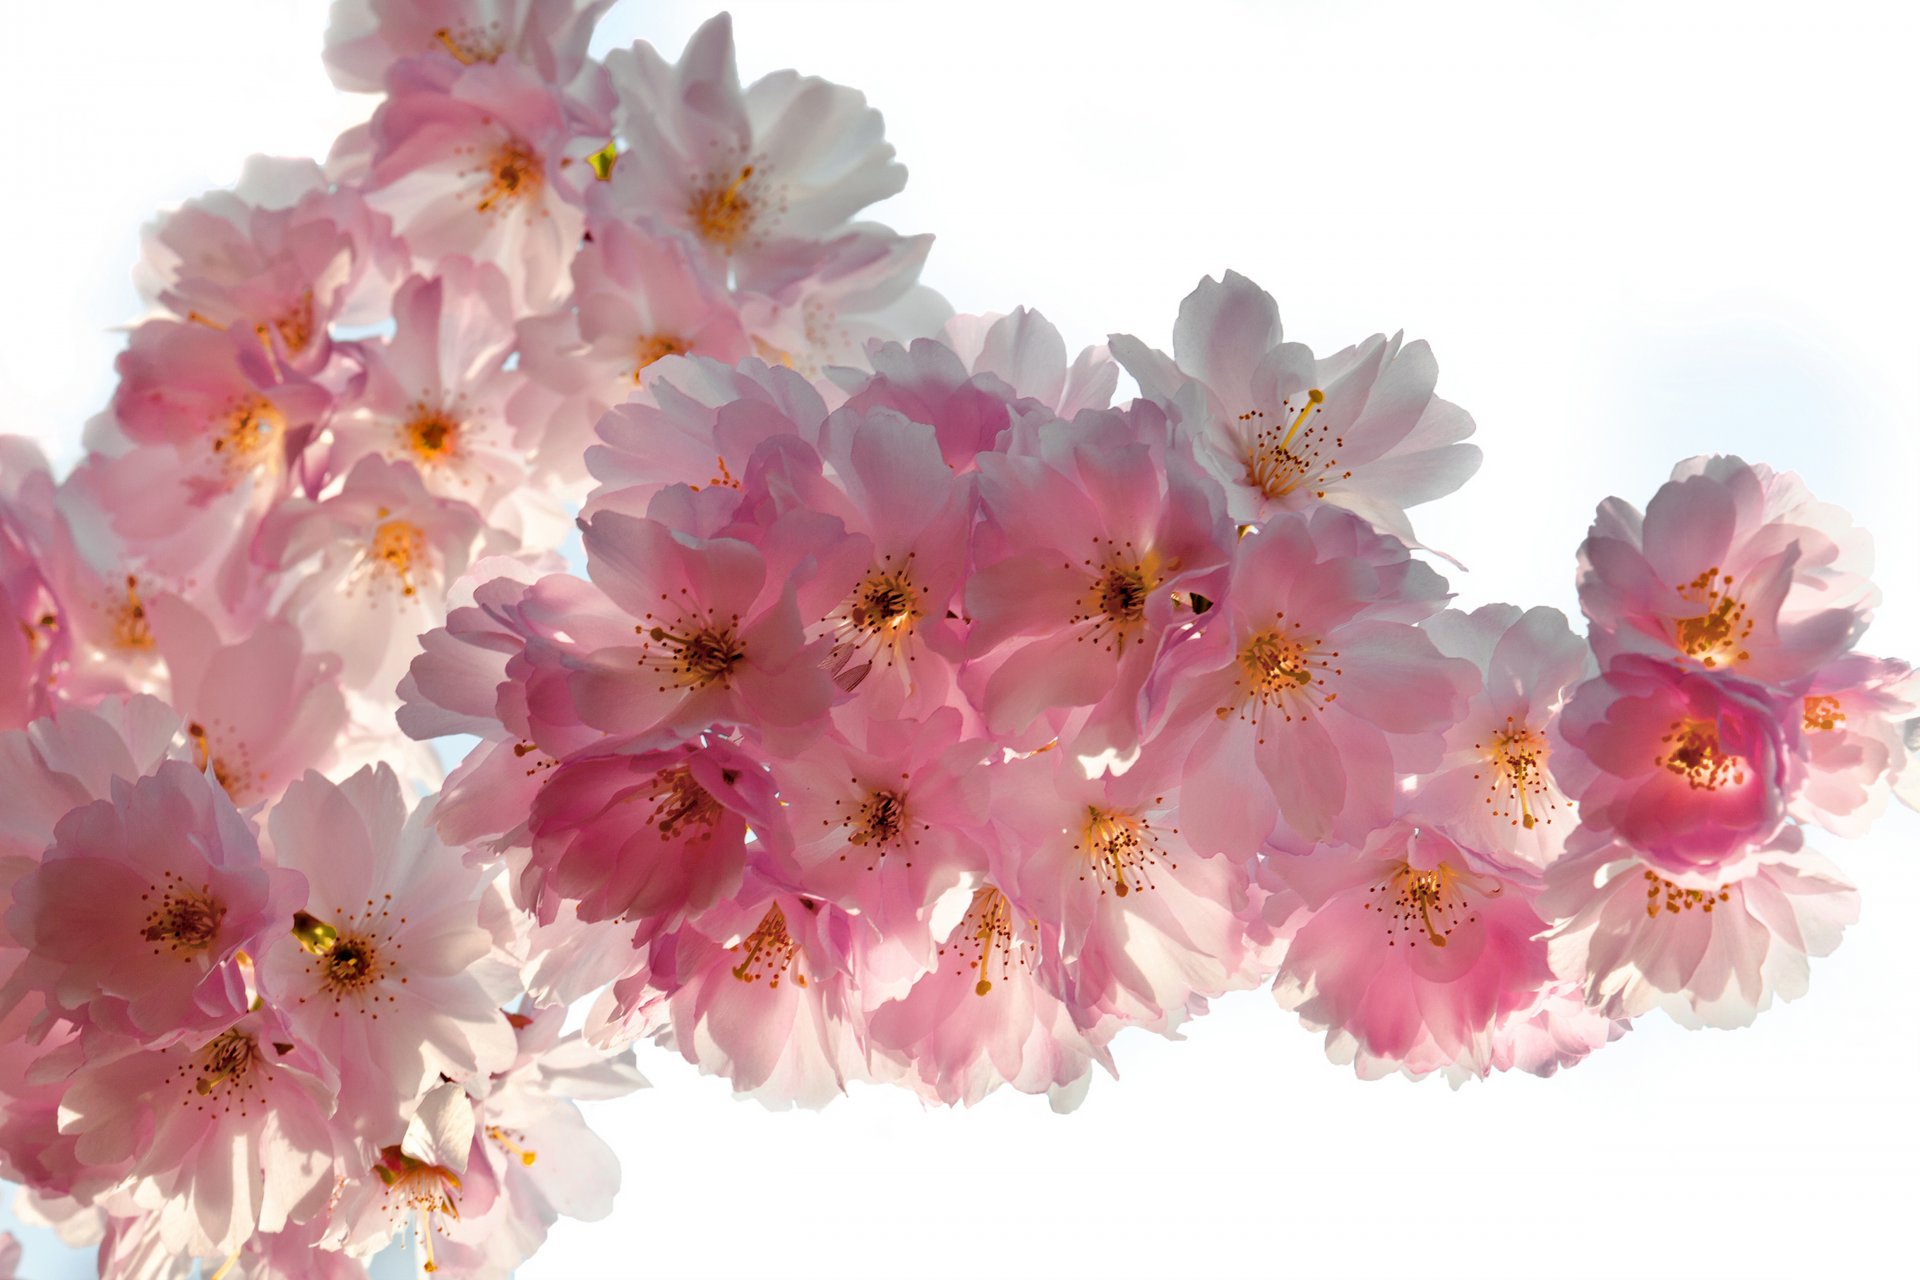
(137, 914)
(1688, 767)
(1413, 949)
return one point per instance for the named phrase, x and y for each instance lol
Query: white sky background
(1632, 233)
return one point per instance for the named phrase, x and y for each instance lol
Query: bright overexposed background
(1632, 232)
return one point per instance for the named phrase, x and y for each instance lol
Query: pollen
(469, 44)
(694, 657)
(130, 627)
(1693, 752)
(984, 942)
(431, 436)
(245, 439)
(513, 174)
(1714, 637)
(1664, 895)
(184, 919)
(353, 959)
(396, 551)
(1426, 906)
(1120, 849)
(680, 803)
(1285, 672)
(656, 347)
(874, 626)
(233, 770)
(725, 207)
(1293, 453)
(513, 1143)
(426, 1189)
(768, 951)
(1121, 579)
(1821, 713)
(1516, 775)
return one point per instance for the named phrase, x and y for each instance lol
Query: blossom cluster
(924, 716)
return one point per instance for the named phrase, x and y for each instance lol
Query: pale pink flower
(258, 713)
(970, 412)
(649, 834)
(426, 1185)
(365, 38)
(1559, 1030)
(483, 162)
(982, 1017)
(1709, 951)
(1688, 767)
(638, 298)
(1307, 689)
(1025, 351)
(760, 991)
(138, 912)
(226, 1134)
(716, 638)
(281, 258)
(1283, 431)
(31, 641)
(365, 571)
(1146, 928)
(1089, 543)
(71, 758)
(1732, 568)
(1493, 789)
(1413, 948)
(435, 395)
(743, 172)
(697, 421)
(1851, 751)
(818, 306)
(386, 971)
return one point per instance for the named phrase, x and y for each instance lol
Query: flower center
(513, 174)
(427, 1189)
(185, 919)
(246, 437)
(347, 963)
(724, 209)
(1713, 636)
(1281, 459)
(431, 435)
(769, 951)
(130, 627)
(985, 929)
(680, 802)
(294, 325)
(1120, 849)
(1426, 904)
(1677, 899)
(1284, 673)
(882, 818)
(876, 620)
(468, 45)
(230, 778)
(225, 1062)
(696, 657)
(1518, 758)
(1696, 756)
(1115, 600)
(1822, 714)
(396, 547)
(655, 347)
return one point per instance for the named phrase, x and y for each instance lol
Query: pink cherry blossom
(137, 914)
(1024, 350)
(1732, 568)
(818, 306)
(482, 161)
(1494, 789)
(385, 970)
(31, 641)
(225, 1135)
(365, 38)
(1709, 951)
(1412, 950)
(744, 172)
(1851, 749)
(1307, 687)
(1282, 431)
(1689, 767)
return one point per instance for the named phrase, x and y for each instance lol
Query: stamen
(186, 919)
(431, 435)
(1282, 671)
(769, 951)
(397, 546)
(1677, 899)
(1121, 849)
(1715, 636)
(512, 1147)
(656, 347)
(724, 215)
(1278, 467)
(1696, 756)
(696, 656)
(1427, 901)
(987, 928)
(513, 174)
(130, 627)
(1821, 713)
(1517, 755)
